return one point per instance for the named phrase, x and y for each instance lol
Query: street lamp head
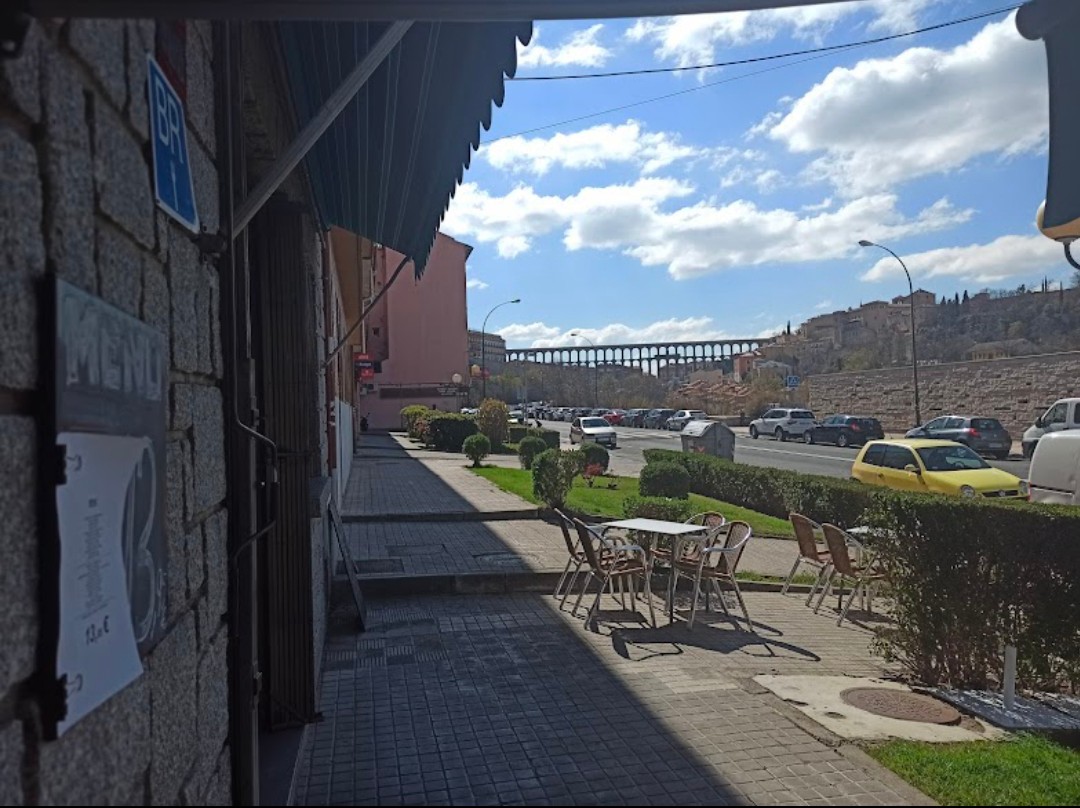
(516, 300)
(864, 243)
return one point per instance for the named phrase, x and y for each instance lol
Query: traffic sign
(173, 190)
(791, 382)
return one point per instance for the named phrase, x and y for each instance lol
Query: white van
(1063, 414)
(1054, 476)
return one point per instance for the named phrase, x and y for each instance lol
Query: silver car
(593, 429)
(681, 418)
(783, 423)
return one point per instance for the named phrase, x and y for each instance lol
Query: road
(830, 461)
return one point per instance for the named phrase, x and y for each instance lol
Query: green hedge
(772, 491)
(446, 432)
(529, 448)
(965, 576)
(519, 432)
(411, 417)
(595, 455)
(668, 510)
(665, 479)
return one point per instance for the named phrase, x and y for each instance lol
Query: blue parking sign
(168, 134)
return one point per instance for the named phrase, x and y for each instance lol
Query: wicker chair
(716, 563)
(810, 553)
(610, 561)
(861, 575)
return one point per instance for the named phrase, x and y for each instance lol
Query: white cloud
(529, 333)
(475, 283)
(696, 38)
(768, 181)
(579, 48)
(692, 240)
(541, 335)
(923, 111)
(1005, 257)
(824, 304)
(824, 204)
(594, 147)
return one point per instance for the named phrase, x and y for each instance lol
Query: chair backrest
(565, 524)
(837, 541)
(738, 535)
(804, 533)
(707, 519)
(589, 540)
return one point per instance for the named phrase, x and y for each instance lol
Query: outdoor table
(676, 531)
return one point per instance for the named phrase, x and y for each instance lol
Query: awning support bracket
(318, 124)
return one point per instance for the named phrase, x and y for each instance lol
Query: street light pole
(911, 301)
(483, 347)
(596, 368)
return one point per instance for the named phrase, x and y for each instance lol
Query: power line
(823, 49)
(819, 53)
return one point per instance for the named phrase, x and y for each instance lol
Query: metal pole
(311, 133)
(483, 347)
(1010, 677)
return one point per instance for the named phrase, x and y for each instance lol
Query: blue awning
(388, 166)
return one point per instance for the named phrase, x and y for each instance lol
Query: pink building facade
(417, 336)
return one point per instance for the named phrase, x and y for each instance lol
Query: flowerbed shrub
(411, 415)
(529, 447)
(664, 479)
(595, 455)
(476, 448)
(446, 432)
(492, 418)
(518, 433)
(966, 576)
(668, 510)
(553, 473)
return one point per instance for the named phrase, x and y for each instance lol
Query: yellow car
(934, 466)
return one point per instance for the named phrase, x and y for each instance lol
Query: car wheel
(753, 432)
(781, 435)
(842, 440)
(808, 436)
(1028, 450)
(1002, 455)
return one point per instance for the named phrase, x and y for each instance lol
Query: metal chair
(860, 575)
(611, 561)
(576, 558)
(717, 562)
(810, 552)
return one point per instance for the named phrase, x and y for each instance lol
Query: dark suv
(845, 430)
(657, 419)
(984, 435)
(634, 417)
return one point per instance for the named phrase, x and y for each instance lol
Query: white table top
(657, 526)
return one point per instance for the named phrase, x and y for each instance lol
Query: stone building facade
(76, 202)
(1013, 390)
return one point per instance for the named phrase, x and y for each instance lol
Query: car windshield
(802, 415)
(696, 414)
(593, 422)
(951, 458)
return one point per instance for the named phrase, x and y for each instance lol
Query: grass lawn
(601, 501)
(1025, 771)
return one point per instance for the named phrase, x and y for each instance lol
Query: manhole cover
(901, 704)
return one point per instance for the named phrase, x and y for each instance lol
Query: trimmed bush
(518, 433)
(576, 458)
(668, 510)
(553, 473)
(492, 419)
(410, 415)
(446, 431)
(529, 448)
(476, 448)
(664, 479)
(595, 455)
(966, 576)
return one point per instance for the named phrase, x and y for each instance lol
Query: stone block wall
(1014, 390)
(76, 201)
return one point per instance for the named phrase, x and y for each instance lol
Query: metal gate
(287, 380)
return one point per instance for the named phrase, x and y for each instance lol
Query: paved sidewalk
(488, 700)
(388, 480)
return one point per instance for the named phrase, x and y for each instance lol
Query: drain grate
(901, 704)
(500, 559)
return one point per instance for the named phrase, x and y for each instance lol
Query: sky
(730, 210)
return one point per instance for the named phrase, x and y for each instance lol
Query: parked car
(984, 435)
(1063, 414)
(783, 423)
(845, 430)
(934, 466)
(517, 417)
(681, 418)
(614, 417)
(657, 418)
(1054, 475)
(635, 418)
(594, 429)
